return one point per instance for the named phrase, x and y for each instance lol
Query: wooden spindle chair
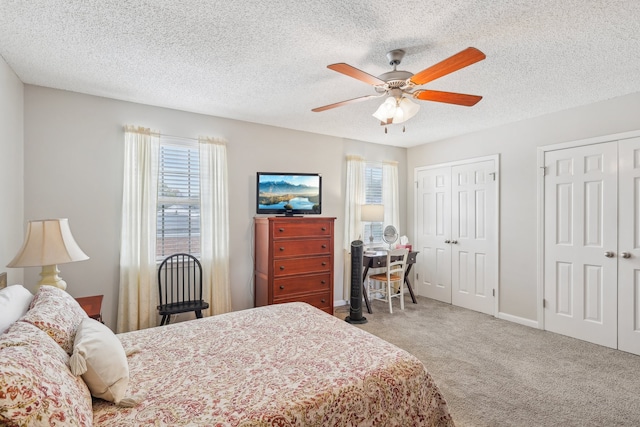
(180, 286)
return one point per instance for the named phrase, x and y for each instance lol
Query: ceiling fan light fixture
(396, 110)
(386, 110)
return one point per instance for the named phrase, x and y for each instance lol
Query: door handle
(626, 255)
(454, 242)
(609, 254)
(447, 241)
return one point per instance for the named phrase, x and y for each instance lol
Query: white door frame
(541, 154)
(496, 159)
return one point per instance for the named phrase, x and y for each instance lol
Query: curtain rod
(178, 137)
(142, 129)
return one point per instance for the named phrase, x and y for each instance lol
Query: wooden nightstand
(92, 305)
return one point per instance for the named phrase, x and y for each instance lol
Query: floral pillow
(57, 313)
(36, 386)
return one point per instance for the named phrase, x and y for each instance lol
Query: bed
(280, 365)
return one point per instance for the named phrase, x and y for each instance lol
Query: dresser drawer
(301, 284)
(289, 248)
(289, 266)
(297, 229)
(322, 301)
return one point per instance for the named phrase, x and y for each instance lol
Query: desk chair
(180, 287)
(383, 284)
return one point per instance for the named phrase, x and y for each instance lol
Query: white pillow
(99, 357)
(14, 303)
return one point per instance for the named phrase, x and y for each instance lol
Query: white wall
(74, 165)
(11, 170)
(516, 143)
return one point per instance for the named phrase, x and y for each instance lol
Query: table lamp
(372, 213)
(48, 243)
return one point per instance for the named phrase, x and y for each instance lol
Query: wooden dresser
(294, 261)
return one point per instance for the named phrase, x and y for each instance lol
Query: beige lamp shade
(48, 242)
(372, 213)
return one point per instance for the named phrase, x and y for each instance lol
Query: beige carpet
(497, 373)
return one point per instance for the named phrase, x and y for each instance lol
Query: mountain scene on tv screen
(301, 192)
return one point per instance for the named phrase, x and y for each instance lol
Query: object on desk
(404, 243)
(390, 235)
(371, 214)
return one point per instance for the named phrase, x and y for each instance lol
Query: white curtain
(354, 199)
(138, 297)
(390, 194)
(214, 224)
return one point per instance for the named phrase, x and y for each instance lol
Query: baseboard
(340, 302)
(519, 320)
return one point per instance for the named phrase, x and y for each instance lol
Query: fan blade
(350, 71)
(469, 56)
(349, 101)
(448, 97)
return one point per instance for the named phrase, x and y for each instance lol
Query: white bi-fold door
(456, 233)
(628, 255)
(592, 243)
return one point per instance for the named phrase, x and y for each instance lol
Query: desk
(380, 260)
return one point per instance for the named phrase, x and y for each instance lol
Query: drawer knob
(324, 228)
(323, 300)
(282, 267)
(379, 263)
(324, 263)
(324, 246)
(281, 230)
(281, 286)
(281, 249)
(323, 282)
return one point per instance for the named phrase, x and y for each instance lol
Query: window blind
(373, 196)
(178, 213)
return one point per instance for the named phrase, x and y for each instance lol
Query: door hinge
(493, 291)
(417, 276)
(544, 303)
(493, 175)
(544, 170)
(417, 184)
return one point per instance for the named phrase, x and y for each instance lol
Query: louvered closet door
(629, 246)
(433, 223)
(580, 263)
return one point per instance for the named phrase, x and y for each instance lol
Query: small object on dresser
(92, 305)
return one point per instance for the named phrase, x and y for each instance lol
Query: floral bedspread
(280, 365)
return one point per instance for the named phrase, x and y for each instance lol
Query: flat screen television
(287, 193)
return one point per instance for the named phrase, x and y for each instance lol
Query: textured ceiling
(265, 61)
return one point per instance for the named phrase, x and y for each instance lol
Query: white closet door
(433, 221)
(473, 236)
(580, 263)
(629, 246)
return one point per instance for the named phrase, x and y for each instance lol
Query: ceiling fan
(400, 86)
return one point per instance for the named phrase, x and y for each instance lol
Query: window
(373, 196)
(178, 221)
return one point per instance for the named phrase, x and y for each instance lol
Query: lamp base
(50, 277)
